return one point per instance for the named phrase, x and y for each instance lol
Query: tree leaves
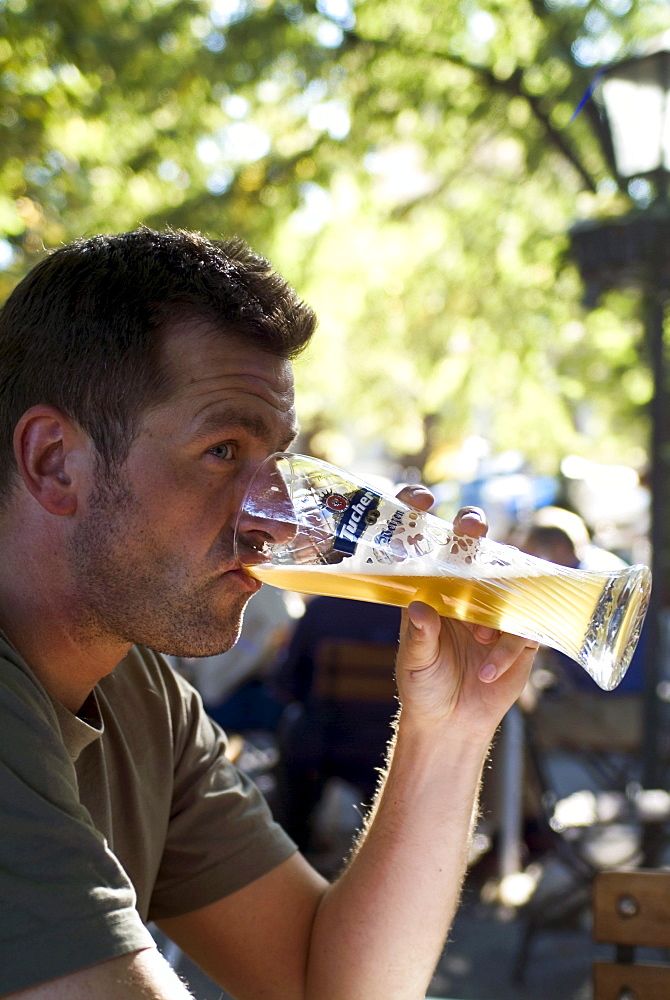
(412, 167)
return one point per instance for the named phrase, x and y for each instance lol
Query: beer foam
(485, 560)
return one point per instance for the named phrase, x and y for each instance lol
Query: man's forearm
(381, 927)
(142, 975)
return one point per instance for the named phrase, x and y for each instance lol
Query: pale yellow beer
(560, 607)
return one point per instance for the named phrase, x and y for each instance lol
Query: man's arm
(391, 911)
(142, 975)
(379, 930)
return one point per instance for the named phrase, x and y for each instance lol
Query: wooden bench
(631, 909)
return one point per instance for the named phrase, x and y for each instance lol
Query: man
(145, 377)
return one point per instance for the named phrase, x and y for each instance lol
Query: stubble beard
(129, 590)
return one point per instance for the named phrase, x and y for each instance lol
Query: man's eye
(222, 451)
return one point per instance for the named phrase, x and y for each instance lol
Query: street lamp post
(634, 250)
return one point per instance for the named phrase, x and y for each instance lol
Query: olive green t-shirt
(125, 813)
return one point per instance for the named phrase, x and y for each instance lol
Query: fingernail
(488, 672)
(414, 614)
(472, 512)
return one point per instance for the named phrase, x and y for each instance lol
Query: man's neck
(44, 623)
(67, 663)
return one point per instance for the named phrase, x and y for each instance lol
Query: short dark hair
(82, 332)
(549, 535)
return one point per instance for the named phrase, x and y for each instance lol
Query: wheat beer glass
(308, 526)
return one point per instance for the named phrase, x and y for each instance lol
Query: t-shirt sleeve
(221, 834)
(65, 901)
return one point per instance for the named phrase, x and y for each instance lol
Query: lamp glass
(637, 103)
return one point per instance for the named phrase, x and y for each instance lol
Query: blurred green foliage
(412, 167)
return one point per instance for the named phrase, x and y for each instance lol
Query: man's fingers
(468, 521)
(504, 654)
(416, 496)
(483, 633)
(420, 644)
(471, 521)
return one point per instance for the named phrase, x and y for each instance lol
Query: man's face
(152, 556)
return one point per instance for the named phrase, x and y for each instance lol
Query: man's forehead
(195, 350)
(220, 382)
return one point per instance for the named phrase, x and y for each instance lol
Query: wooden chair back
(349, 671)
(631, 909)
(351, 706)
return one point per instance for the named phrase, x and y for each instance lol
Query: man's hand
(453, 672)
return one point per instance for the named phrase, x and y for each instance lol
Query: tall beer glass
(308, 526)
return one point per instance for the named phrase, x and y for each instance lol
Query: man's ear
(50, 451)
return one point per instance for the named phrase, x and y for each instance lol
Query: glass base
(615, 626)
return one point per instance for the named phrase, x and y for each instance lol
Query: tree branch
(590, 109)
(512, 86)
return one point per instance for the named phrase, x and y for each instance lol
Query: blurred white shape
(315, 210)
(516, 888)
(482, 26)
(331, 117)
(6, 254)
(245, 142)
(236, 106)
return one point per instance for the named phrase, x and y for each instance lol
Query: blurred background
(442, 182)
(413, 169)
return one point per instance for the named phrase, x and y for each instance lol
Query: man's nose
(267, 517)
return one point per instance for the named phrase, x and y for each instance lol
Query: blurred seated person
(233, 685)
(572, 710)
(561, 536)
(336, 678)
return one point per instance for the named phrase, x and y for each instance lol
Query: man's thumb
(421, 640)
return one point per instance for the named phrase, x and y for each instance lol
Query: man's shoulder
(18, 683)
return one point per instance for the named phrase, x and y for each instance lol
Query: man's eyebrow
(292, 438)
(219, 420)
(216, 421)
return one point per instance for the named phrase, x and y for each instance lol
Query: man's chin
(209, 641)
(208, 626)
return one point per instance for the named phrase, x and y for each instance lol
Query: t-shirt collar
(79, 731)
